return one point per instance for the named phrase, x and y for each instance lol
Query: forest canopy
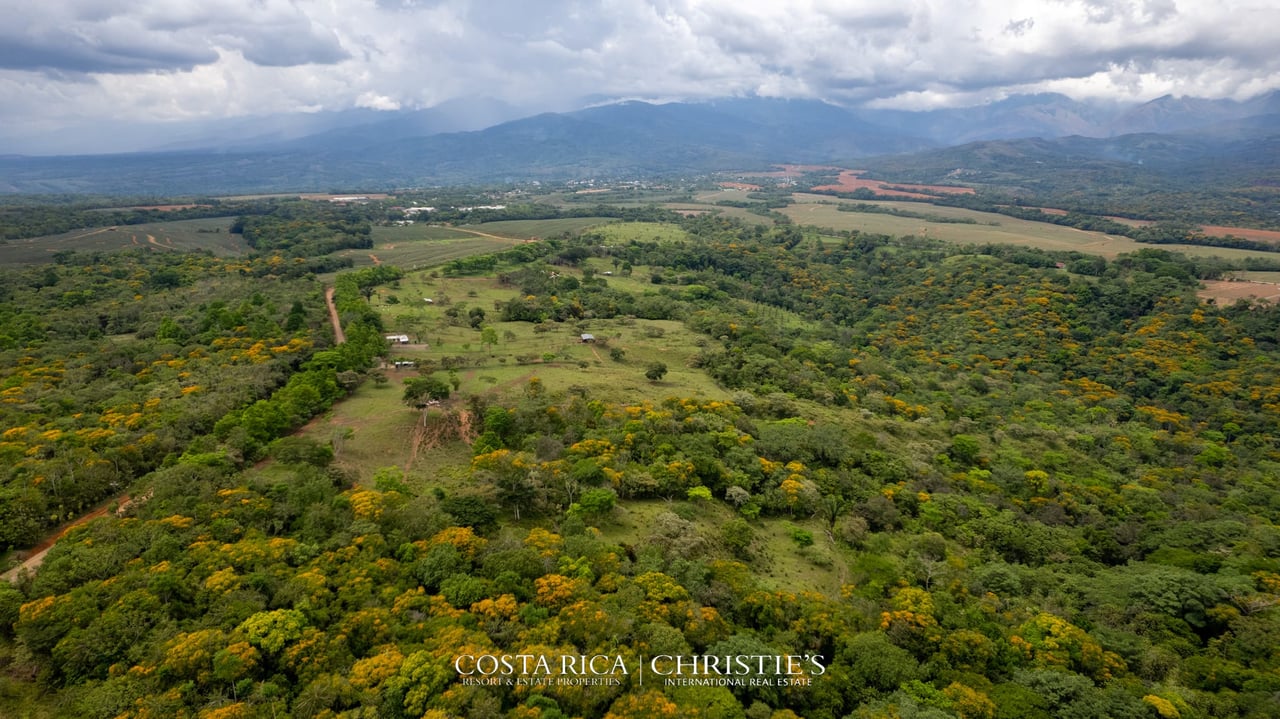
(1042, 484)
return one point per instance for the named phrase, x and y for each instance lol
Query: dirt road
(38, 552)
(338, 335)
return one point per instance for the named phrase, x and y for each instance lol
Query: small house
(588, 338)
(398, 339)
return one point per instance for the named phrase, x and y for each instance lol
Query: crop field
(621, 232)
(990, 228)
(536, 229)
(415, 246)
(421, 245)
(206, 234)
(851, 180)
(740, 213)
(714, 196)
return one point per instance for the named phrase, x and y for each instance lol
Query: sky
(110, 73)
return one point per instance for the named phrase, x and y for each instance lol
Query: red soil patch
(324, 196)
(792, 169)
(851, 180)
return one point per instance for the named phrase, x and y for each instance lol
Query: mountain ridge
(635, 138)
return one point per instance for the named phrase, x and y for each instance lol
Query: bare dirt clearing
(851, 180)
(1227, 292)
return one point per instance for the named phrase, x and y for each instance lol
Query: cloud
(119, 36)
(181, 59)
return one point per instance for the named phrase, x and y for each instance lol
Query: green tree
(655, 371)
(419, 390)
(489, 338)
(597, 503)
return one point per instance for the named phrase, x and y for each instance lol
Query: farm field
(203, 234)
(851, 180)
(642, 231)
(555, 354)
(535, 229)
(374, 429)
(412, 253)
(991, 228)
(421, 245)
(689, 210)
(1225, 292)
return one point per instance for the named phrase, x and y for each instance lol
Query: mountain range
(477, 140)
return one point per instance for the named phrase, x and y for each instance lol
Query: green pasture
(991, 228)
(210, 233)
(382, 426)
(537, 229)
(623, 232)
(411, 253)
(711, 197)
(1272, 277)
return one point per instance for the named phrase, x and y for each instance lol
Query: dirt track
(38, 552)
(338, 335)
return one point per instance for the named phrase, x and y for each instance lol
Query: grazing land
(988, 227)
(211, 234)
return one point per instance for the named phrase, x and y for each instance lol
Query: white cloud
(181, 59)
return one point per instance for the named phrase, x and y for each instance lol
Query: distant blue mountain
(458, 142)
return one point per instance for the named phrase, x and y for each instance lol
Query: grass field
(382, 426)
(990, 228)
(538, 229)
(211, 233)
(374, 429)
(622, 232)
(416, 253)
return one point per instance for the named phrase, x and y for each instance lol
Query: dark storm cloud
(69, 53)
(115, 36)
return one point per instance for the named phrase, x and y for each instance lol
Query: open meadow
(989, 228)
(374, 429)
(211, 233)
